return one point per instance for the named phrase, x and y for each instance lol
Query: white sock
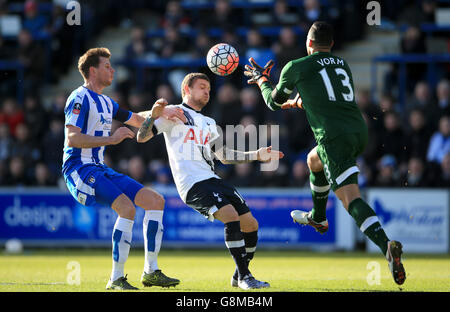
(153, 231)
(121, 240)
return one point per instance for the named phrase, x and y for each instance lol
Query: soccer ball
(222, 59)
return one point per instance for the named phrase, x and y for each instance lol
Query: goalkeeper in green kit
(325, 91)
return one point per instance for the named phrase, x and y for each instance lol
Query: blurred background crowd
(409, 142)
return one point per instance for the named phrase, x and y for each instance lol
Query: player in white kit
(191, 148)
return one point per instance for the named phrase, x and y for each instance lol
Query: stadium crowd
(409, 145)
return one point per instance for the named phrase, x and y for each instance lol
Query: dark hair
(321, 33)
(189, 80)
(91, 58)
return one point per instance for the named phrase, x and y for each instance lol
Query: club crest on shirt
(106, 122)
(219, 199)
(76, 108)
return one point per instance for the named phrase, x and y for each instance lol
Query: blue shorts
(99, 184)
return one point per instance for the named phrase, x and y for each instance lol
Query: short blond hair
(91, 58)
(190, 79)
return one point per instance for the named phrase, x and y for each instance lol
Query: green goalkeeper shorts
(339, 156)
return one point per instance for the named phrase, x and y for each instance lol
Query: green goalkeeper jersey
(325, 85)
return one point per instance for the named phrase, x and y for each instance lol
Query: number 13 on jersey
(345, 80)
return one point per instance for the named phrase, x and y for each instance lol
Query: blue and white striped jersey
(93, 114)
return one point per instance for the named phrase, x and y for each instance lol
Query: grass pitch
(211, 270)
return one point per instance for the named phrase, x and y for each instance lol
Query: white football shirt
(189, 148)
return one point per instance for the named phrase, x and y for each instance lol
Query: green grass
(210, 270)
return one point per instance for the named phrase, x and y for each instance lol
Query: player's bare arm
(264, 154)
(145, 132)
(160, 108)
(169, 112)
(79, 140)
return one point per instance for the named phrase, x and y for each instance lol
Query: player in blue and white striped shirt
(88, 121)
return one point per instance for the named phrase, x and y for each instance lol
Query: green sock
(368, 223)
(319, 190)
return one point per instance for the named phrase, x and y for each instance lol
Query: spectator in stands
(374, 120)
(250, 104)
(137, 101)
(34, 22)
(418, 12)
(243, 175)
(35, 117)
(366, 106)
(57, 104)
(387, 103)
(413, 41)
(249, 131)
(282, 15)
(226, 109)
(392, 138)
(174, 44)
(287, 48)
(165, 91)
(52, 146)
(440, 141)
(24, 147)
(422, 95)
(62, 41)
(423, 99)
(16, 175)
(138, 47)
(8, 80)
(443, 97)
(42, 176)
(254, 41)
(174, 16)
(418, 134)
(300, 136)
(365, 173)
(370, 153)
(11, 114)
(416, 176)
(230, 36)
(31, 55)
(299, 174)
(310, 13)
(202, 45)
(137, 170)
(273, 178)
(444, 178)
(387, 175)
(6, 142)
(222, 17)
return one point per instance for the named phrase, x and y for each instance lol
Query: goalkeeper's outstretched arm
(273, 97)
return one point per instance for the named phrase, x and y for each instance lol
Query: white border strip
(344, 175)
(253, 249)
(235, 244)
(368, 222)
(319, 189)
